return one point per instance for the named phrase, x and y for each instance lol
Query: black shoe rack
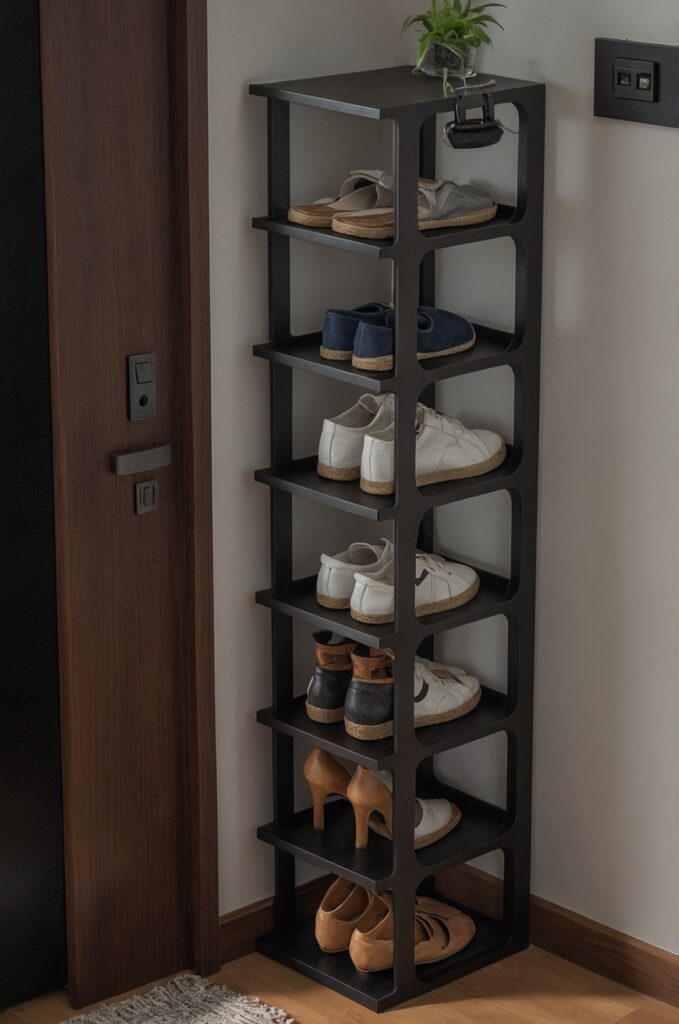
(411, 103)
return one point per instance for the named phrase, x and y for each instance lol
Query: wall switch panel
(637, 82)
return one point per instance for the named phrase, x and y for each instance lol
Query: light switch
(143, 372)
(141, 386)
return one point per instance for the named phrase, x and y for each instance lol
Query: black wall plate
(652, 93)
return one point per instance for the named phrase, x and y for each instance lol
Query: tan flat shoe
(441, 931)
(344, 908)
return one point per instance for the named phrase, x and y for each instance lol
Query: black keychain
(473, 133)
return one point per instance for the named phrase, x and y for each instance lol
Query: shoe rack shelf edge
(412, 103)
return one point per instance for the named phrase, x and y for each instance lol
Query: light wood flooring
(531, 988)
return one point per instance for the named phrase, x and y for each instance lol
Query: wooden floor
(531, 988)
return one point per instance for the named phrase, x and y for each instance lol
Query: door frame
(188, 64)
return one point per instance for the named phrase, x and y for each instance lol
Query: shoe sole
(338, 474)
(324, 716)
(386, 230)
(441, 476)
(381, 732)
(381, 363)
(337, 356)
(333, 602)
(309, 220)
(426, 609)
(424, 840)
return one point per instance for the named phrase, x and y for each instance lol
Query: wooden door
(125, 140)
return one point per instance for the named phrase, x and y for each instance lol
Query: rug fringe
(187, 999)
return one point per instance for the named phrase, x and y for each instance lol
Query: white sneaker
(341, 444)
(443, 693)
(444, 450)
(439, 586)
(335, 582)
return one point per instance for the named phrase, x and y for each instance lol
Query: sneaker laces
(436, 564)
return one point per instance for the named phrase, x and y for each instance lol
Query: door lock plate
(145, 497)
(141, 386)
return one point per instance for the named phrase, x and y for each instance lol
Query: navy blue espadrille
(341, 325)
(439, 333)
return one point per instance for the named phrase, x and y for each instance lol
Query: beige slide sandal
(358, 194)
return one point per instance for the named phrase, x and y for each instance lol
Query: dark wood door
(124, 99)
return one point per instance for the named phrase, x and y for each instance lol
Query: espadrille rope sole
(332, 602)
(381, 732)
(323, 715)
(441, 476)
(422, 841)
(336, 355)
(381, 363)
(338, 474)
(381, 225)
(425, 609)
(311, 217)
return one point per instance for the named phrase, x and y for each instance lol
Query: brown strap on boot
(334, 657)
(374, 666)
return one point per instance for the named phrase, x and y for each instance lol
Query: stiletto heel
(362, 816)
(318, 797)
(367, 796)
(326, 777)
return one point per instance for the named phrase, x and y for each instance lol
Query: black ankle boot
(332, 675)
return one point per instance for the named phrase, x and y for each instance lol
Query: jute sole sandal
(379, 364)
(434, 608)
(442, 475)
(359, 193)
(380, 225)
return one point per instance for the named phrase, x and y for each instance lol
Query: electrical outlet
(637, 82)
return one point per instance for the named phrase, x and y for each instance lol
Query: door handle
(141, 460)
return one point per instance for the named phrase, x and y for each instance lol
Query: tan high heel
(370, 795)
(326, 777)
(367, 796)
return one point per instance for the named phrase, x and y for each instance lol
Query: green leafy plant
(456, 25)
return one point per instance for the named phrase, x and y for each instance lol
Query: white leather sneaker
(443, 693)
(440, 585)
(335, 582)
(444, 450)
(341, 444)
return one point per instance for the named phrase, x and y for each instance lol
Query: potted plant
(452, 33)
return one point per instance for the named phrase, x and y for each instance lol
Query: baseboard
(596, 947)
(240, 929)
(616, 956)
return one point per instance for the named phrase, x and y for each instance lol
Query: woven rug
(187, 999)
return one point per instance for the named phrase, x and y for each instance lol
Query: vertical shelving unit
(412, 103)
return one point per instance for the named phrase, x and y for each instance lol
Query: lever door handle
(141, 461)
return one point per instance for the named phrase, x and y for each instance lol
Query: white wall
(607, 704)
